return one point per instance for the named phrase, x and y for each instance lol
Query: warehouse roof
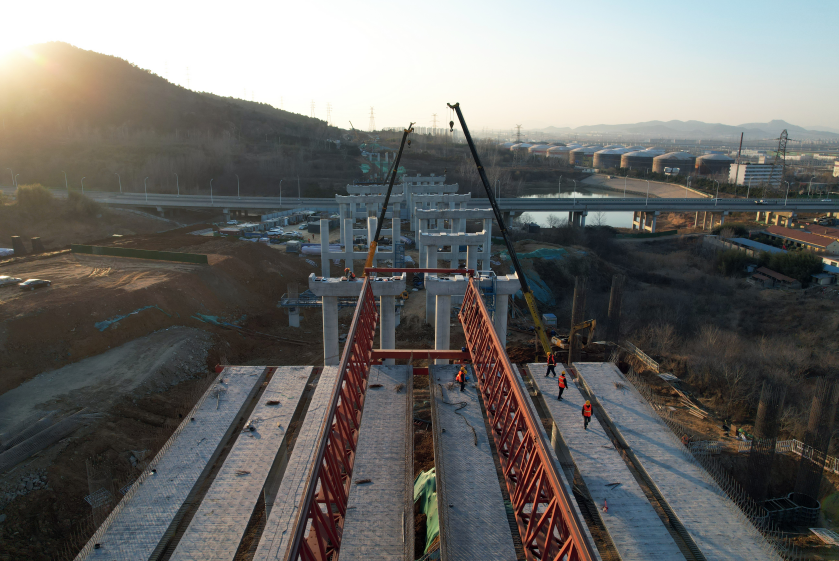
(800, 236)
(757, 245)
(777, 276)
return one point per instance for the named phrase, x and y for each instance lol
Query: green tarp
(425, 493)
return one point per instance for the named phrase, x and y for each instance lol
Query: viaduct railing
(320, 520)
(547, 522)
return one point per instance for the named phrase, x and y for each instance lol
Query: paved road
(515, 205)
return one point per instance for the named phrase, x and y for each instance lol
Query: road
(514, 205)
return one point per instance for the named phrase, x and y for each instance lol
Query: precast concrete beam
(458, 213)
(442, 326)
(368, 199)
(455, 285)
(387, 332)
(442, 239)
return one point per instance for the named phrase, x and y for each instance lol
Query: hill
(67, 110)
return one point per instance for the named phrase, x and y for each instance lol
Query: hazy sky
(562, 63)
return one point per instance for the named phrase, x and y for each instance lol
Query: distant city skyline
(541, 64)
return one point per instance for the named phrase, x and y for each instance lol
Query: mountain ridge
(700, 129)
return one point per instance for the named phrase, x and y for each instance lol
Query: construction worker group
(563, 383)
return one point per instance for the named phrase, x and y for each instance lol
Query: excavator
(564, 342)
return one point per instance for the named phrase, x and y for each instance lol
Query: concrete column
(294, 317)
(502, 302)
(324, 248)
(722, 218)
(583, 218)
(430, 301)
(348, 238)
(331, 352)
(704, 216)
(372, 222)
(757, 218)
(506, 216)
(387, 329)
(696, 219)
(442, 326)
(396, 227)
(472, 257)
(777, 218)
(485, 255)
(342, 212)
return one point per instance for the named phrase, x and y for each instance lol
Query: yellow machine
(564, 342)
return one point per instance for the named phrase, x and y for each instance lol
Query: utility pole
(329, 114)
(313, 109)
(434, 123)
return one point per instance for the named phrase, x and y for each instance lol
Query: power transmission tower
(518, 133)
(781, 155)
(313, 109)
(329, 114)
(372, 124)
(434, 126)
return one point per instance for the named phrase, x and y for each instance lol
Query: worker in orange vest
(551, 365)
(348, 274)
(562, 385)
(586, 414)
(461, 377)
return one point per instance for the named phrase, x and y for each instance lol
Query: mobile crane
(525, 287)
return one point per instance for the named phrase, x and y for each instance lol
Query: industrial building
(755, 174)
(714, 164)
(680, 163)
(640, 160)
(539, 150)
(805, 240)
(563, 152)
(583, 156)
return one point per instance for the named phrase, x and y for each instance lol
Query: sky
(535, 63)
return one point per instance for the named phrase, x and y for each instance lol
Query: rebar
(819, 431)
(762, 451)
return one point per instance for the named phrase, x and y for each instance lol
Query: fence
(642, 356)
(196, 258)
(796, 447)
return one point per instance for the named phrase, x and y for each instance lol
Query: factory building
(562, 152)
(583, 156)
(755, 174)
(681, 161)
(714, 164)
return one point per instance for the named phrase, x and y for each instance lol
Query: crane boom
(525, 287)
(375, 242)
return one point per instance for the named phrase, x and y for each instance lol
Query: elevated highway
(511, 205)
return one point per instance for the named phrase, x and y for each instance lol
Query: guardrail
(319, 524)
(547, 522)
(642, 356)
(796, 447)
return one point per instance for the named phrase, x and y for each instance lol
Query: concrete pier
(330, 289)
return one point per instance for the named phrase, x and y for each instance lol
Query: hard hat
(588, 402)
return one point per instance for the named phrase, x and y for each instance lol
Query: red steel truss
(548, 524)
(320, 520)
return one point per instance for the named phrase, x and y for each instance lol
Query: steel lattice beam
(320, 521)
(547, 522)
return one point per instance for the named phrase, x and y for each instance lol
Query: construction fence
(196, 258)
(798, 448)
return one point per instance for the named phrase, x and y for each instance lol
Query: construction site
(190, 395)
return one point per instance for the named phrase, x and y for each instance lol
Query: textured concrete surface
(635, 528)
(380, 514)
(220, 522)
(277, 533)
(473, 519)
(712, 520)
(141, 524)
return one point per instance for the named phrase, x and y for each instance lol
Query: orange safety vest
(562, 382)
(461, 376)
(586, 410)
(551, 359)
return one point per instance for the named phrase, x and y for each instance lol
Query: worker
(562, 385)
(461, 377)
(348, 274)
(586, 414)
(551, 365)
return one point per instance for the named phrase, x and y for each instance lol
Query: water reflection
(615, 219)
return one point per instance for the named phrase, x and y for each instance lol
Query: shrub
(738, 231)
(732, 262)
(799, 265)
(34, 198)
(79, 205)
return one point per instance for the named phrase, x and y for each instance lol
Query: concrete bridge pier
(372, 222)
(638, 220)
(430, 300)
(324, 247)
(348, 242)
(294, 317)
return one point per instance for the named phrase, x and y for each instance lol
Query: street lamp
(120, 183)
(717, 198)
(65, 180)
(82, 185)
(787, 195)
(237, 186)
(646, 202)
(146, 189)
(211, 191)
(177, 184)
(809, 186)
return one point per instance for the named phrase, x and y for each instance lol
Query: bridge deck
(380, 514)
(140, 525)
(279, 525)
(220, 522)
(714, 522)
(633, 525)
(473, 518)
